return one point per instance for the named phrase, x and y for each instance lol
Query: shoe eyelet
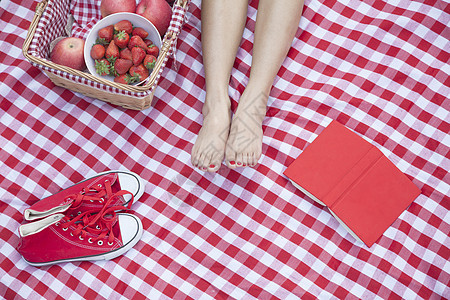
(79, 213)
(71, 215)
(91, 200)
(110, 244)
(81, 238)
(65, 228)
(100, 243)
(99, 185)
(98, 227)
(57, 224)
(90, 241)
(103, 199)
(71, 234)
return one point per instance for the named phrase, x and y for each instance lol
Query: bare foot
(209, 148)
(244, 145)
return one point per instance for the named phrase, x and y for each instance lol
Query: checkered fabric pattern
(379, 67)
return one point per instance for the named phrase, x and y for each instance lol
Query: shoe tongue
(111, 177)
(91, 185)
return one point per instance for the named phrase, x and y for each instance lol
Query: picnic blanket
(381, 68)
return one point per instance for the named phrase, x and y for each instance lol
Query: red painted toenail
(232, 162)
(211, 166)
(239, 163)
(244, 165)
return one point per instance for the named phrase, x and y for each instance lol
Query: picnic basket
(48, 23)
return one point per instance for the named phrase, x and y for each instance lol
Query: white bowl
(135, 19)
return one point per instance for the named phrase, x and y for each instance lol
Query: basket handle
(165, 48)
(39, 10)
(182, 3)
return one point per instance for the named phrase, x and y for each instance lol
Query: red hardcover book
(360, 186)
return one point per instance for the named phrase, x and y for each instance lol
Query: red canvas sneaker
(89, 194)
(92, 235)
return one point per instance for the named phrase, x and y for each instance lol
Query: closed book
(361, 187)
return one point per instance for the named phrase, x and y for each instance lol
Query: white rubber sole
(105, 256)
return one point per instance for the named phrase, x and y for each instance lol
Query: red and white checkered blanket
(379, 67)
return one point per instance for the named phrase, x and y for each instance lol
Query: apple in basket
(108, 7)
(158, 12)
(69, 52)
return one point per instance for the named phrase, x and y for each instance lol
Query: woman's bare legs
(276, 25)
(223, 24)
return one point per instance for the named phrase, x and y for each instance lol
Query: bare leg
(223, 23)
(276, 25)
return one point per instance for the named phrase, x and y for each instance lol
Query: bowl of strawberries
(122, 47)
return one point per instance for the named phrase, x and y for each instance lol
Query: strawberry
(140, 71)
(102, 67)
(121, 39)
(124, 25)
(105, 35)
(126, 54)
(122, 65)
(136, 41)
(97, 51)
(149, 61)
(139, 31)
(125, 79)
(153, 50)
(112, 52)
(148, 42)
(138, 55)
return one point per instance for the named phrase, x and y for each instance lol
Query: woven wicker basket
(128, 96)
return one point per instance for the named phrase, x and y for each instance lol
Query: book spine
(337, 193)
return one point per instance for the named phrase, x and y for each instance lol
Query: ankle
(257, 86)
(217, 89)
(255, 104)
(218, 105)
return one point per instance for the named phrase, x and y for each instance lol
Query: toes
(213, 167)
(256, 157)
(250, 159)
(239, 160)
(210, 162)
(230, 159)
(245, 159)
(231, 164)
(201, 162)
(215, 162)
(194, 159)
(255, 161)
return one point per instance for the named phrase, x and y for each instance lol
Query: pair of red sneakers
(83, 222)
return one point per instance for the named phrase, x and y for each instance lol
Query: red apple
(108, 7)
(69, 52)
(158, 12)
